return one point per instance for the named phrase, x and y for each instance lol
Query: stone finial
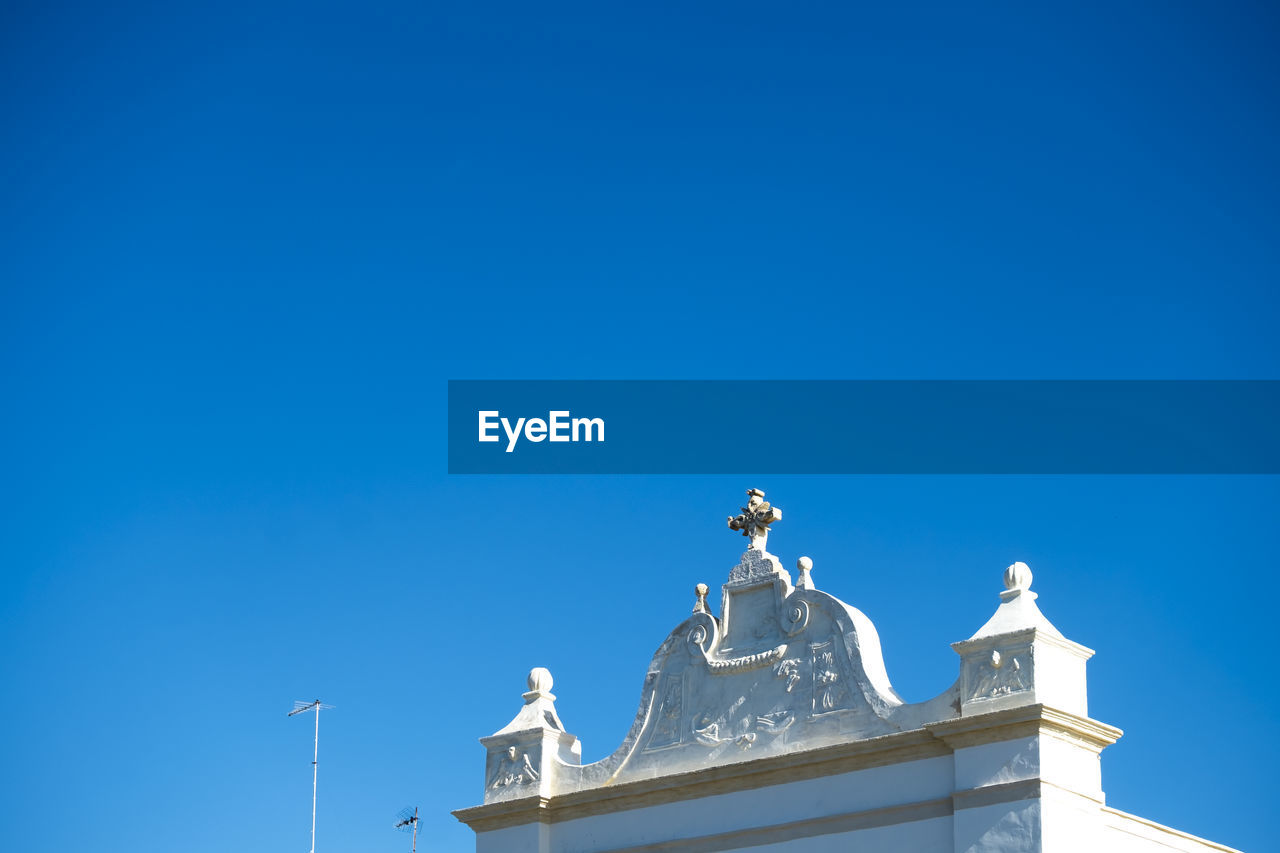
(804, 565)
(1017, 578)
(540, 682)
(700, 606)
(755, 519)
(539, 709)
(1017, 608)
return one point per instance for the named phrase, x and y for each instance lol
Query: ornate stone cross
(756, 517)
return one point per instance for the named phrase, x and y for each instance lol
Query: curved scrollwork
(795, 615)
(702, 635)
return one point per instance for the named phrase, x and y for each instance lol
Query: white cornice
(1027, 635)
(1023, 721)
(934, 740)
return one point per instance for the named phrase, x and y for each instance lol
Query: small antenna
(302, 708)
(407, 821)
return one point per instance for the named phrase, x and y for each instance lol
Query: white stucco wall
(809, 801)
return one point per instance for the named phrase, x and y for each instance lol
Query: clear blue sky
(245, 245)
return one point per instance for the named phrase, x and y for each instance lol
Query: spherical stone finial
(804, 564)
(700, 603)
(1017, 576)
(540, 680)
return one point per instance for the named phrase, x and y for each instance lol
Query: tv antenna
(302, 708)
(407, 821)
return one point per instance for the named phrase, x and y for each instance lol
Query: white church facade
(774, 728)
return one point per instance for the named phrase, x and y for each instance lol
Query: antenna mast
(409, 823)
(302, 708)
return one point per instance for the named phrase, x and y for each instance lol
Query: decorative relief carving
(746, 662)
(754, 566)
(790, 670)
(667, 731)
(514, 769)
(778, 721)
(706, 731)
(748, 731)
(998, 676)
(829, 689)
